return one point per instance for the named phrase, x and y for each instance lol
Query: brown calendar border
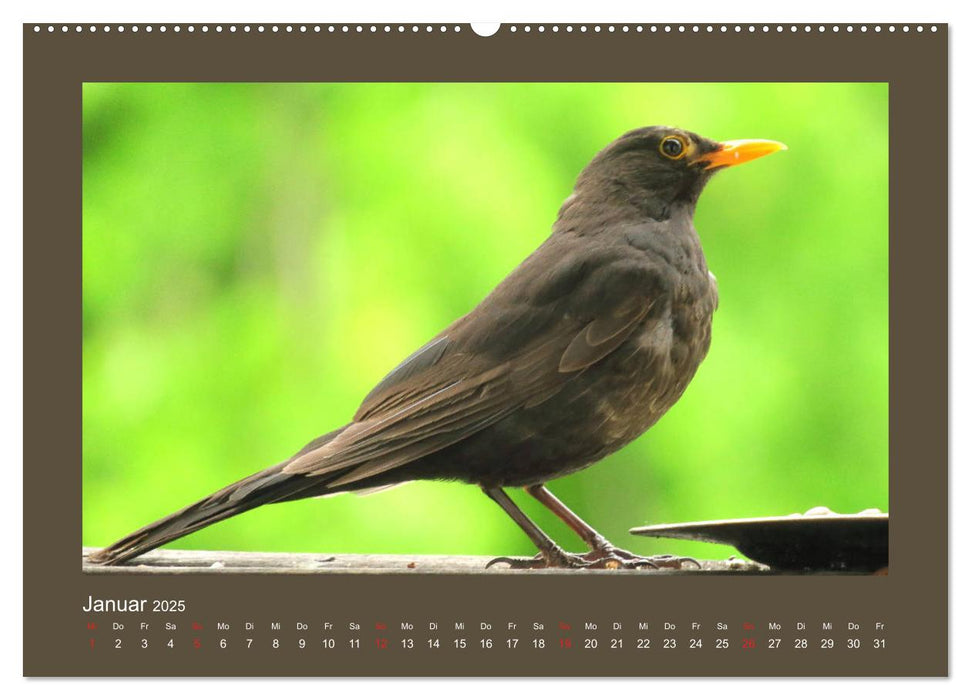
(912, 600)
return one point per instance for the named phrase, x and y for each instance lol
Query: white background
(562, 11)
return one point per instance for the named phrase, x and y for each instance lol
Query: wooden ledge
(174, 561)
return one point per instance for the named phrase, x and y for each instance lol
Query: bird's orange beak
(736, 152)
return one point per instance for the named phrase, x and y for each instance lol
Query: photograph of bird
(577, 352)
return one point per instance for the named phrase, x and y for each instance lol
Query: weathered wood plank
(173, 561)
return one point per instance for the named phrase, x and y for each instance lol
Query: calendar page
(648, 322)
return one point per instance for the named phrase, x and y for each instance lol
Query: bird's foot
(551, 559)
(604, 557)
(608, 556)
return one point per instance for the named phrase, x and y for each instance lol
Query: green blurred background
(257, 257)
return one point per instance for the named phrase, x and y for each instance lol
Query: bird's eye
(673, 147)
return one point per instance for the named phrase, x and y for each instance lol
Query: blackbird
(582, 348)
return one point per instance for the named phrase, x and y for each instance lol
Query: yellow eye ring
(673, 147)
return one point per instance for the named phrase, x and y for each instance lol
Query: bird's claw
(608, 557)
(553, 559)
(519, 562)
(629, 560)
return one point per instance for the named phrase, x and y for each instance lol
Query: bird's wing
(488, 364)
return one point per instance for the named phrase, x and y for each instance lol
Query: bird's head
(660, 169)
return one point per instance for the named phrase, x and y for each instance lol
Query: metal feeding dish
(819, 540)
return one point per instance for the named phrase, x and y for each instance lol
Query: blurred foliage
(256, 257)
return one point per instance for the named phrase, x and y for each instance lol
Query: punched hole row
(488, 31)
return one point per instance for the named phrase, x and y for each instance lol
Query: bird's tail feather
(268, 486)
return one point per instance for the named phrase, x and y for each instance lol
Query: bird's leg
(602, 553)
(594, 539)
(550, 554)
